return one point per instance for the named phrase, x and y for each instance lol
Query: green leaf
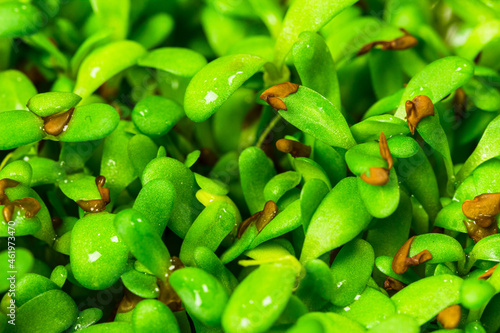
(19, 19)
(183, 180)
(315, 115)
(85, 319)
(207, 260)
(397, 323)
(280, 184)
(340, 217)
(311, 170)
(427, 297)
(216, 82)
(49, 103)
(209, 229)
(487, 148)
(350, 271)
(116, 165)
(155, 115)
(478, 38)
(252, 296)
(154, 30)
(51, 312)
(98, 39)
(115, 327)
(369, 309)
(98, 257)
(90, 122)
(155, 202)
(443, 248)
(312, 59)
(432, 132)
(256, 170)
(154, 317)
(437, 80)
(104, 63)
(19, 128)
(113, 16)
(326, 322)
(305, 15)
(24, 264)
(370, 128)
(141, 150)
(202, 294)
(142, 240)
(141, 284)
(19, 170)
(313, 192)
(380, 201)
(16, 90)
(59, 275)
(30, 286)
(175, 60)
(286, 221)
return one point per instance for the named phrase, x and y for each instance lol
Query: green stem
(267, 130)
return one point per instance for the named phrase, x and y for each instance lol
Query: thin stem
(267, 130)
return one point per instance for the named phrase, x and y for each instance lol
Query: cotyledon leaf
(19, 18)
(19, 128)
(487, 148)
(254, 306)
(437, 80)
(98, 257)
(143, 241)
(15, 90)
(215, 82)
(256, 170)
(104, 63)
(113, 16)
(312, 57)
(380, 201)
(305, 15)
(176, 60)
(351, 270)
(314, 114)
(427, 297)
(340, 217)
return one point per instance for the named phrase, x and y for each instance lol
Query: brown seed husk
(450, 317)
(488, 273)
(271, 95)
(5, 184)
(294, 148)
(168, 296)
(267, 215)
(419, 258)
(245, 224)
(399, 265)
(128, 302)
(401, 43)
(401, 262)
(56, 124)
(418, 108)
(483, 209)
(459, 103)
(393, 284)
(384, 150)
(30, 206)
(97, 205)
(104, 192)
(378, 176)
(261, 219)
(477, 233)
